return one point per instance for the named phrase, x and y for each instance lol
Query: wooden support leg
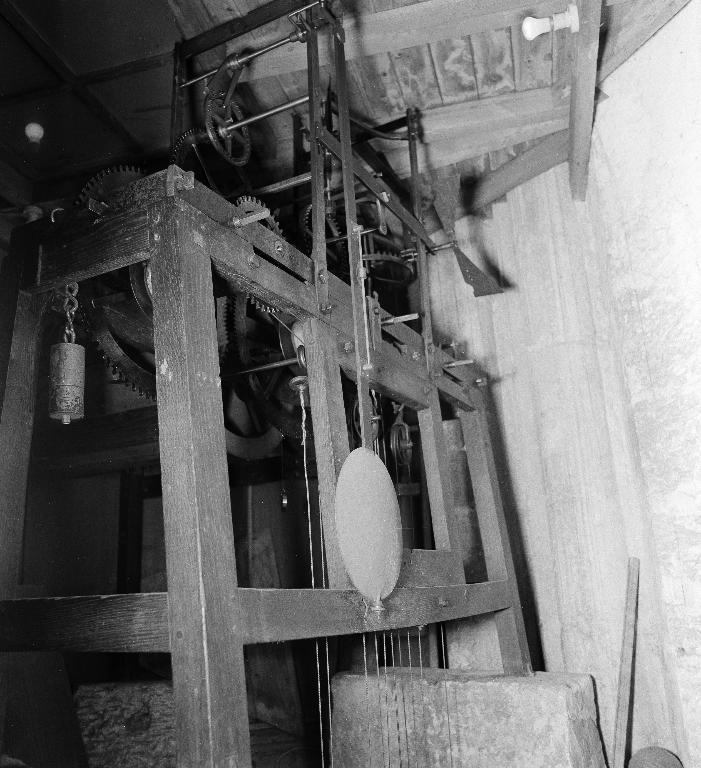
(211, 714)
(495, 538)
(330, 437)
(19, 348)
(436, 468)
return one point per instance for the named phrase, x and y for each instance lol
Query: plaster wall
(594, 355)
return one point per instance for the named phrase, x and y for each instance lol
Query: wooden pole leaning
(211, 716)
(496, 546)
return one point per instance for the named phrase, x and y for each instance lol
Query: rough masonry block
(438, 718)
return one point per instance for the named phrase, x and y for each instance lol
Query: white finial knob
(34, 132)
(568, 19)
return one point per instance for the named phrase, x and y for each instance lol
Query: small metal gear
(250, 203)
(104, 191)
(185, 142)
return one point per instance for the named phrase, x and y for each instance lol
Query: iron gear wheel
(107, 187)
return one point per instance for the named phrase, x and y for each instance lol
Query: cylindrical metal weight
(66, 382)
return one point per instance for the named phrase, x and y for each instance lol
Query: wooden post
(436, 468)
(330, 437)
(19, 350)
(211, 714)
(495, 537)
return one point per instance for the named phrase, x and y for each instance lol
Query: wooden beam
(408, 26)
(46, 52)
(496, 545)
(138, 623)
(584, 62)
(546, 154)
(473, 128)
(630, 25)
(14, 187)
(209, 684)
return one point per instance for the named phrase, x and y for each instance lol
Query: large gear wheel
(105, 189)
(219, 107)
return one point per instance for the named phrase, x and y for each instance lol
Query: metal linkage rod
(236, 61)
(234, 28)
(281, 186)
(226, 130)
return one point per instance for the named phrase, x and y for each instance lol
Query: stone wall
(594, 356)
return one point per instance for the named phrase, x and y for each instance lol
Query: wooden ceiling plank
(586, 50)
(18, 21)
(629, 25)
(403, 28)
(546, 154)
(473, 128)
(455, 70)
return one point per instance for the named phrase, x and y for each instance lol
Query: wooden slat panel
(494, 68)
(139, 623)
(533, 60)
(455, 69)
(208, 669)
(417, 77)
(397, 29)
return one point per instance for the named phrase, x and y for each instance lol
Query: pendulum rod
(311, 567)
(363, 363)
(379, 699)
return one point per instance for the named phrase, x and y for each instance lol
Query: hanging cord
(384, 658)
(70, 307)
(445, 688)
(379, 700)
(367, 700)
(396, 698)
(311, 559)
(423, 700)
(411, 684)
(406, 725)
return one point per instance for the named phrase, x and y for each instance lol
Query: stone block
(441, 718)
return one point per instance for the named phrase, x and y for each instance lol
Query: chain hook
(70, 307)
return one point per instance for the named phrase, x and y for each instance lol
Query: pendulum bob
(368, 526)
(66, 382)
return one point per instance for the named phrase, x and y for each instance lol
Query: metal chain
(70, 307)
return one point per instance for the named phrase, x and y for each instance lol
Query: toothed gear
(218, 108)
(250, 204)
(185, 142)
(108, 186)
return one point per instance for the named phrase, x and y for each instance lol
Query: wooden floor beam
(138, 623)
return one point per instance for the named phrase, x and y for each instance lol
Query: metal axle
(226, 130)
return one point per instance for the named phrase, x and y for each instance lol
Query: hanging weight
(66, 382)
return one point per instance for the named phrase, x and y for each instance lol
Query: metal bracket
(177, 179)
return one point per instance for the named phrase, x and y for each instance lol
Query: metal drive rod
(281, 186)
(226, 130)
(236, 61)
(265, 367)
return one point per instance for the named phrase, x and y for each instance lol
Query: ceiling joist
(18, 21)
